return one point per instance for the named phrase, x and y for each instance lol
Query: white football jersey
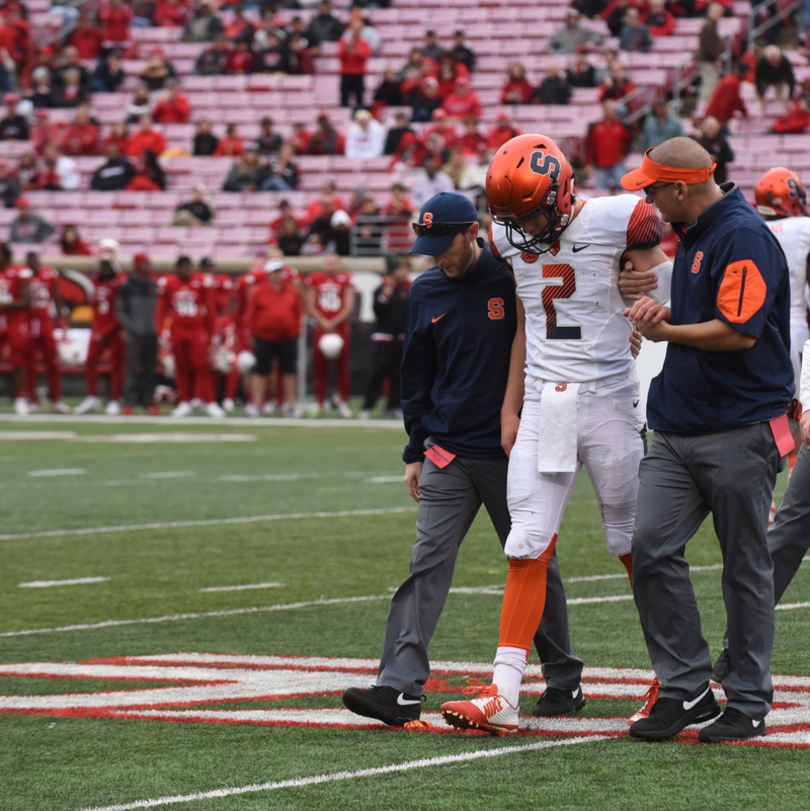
(575, 329)
(793, 234)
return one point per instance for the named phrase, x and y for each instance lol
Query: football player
(330, 300)
(46, 300)
(188, 298)
(15, 299)
(573, 374)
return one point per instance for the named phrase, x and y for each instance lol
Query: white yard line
(238, 422)
(77, 581)
(64, 471)
(244, 588)
(212, 522)
(302, 782)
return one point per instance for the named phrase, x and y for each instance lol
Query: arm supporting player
(513, 398)
(646, 271)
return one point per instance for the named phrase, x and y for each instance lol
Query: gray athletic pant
(449, 501)
(682, 480)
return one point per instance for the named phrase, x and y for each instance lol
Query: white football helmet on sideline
(69, 352)
(331, 345)
(224, 360)
(169, 367)
(245, 362)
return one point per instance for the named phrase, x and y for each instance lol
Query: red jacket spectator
(274, 313)
(660, 21)
(120, 137)
(442, 127)
(115, 17)
(502, 132)
(230, 146)
(326, 140)
(472, 142)
(241, 61)
(81, 138)
(88, 38)
(608, 142)
(172, 13)
(146, 139)
(517, 92)
(46, 132)
(726, 98)
(175, 108)
(353, 55)
(463, 102)
(300, 138)
(796, 120)
(317, 208)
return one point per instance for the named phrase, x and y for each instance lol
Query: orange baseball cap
(650, 172)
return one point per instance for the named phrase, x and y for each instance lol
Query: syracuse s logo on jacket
(697, 261)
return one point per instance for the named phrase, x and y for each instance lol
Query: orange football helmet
(529, 176)
(779, 192)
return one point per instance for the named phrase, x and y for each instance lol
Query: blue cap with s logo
(441, 218)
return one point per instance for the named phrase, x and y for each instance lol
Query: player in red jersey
(15, 299)
(330, 301)
(46, 300)
(106, 332)
(188, 299)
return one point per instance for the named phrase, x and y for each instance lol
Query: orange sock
(524, 600)
(627, 560)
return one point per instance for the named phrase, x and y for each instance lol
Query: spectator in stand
(284, 172)
(139, 106)
(157, 71)
(429, 182)
(461, 53)
(87, 38)
(149, 174)
(205, 142)
(247, 174)
(212, 61)
(274, 318)
(242, 61)
(447, 77)
(72, 244)
(326, 140)
(285, 212)
(324, 26)
(269, 141)
(231, 145)
(368, 32)
(474, 179)
(27, 172)
(774, 70)
(660, 21)
(714, 142)
(300, 138)
(9, 186)
(27, 227)
(613, 15)
(472, 141)
(396, 133)
(502, 132)
(69, 93)
(290, 240)
(275, 58)
(615, 86)
(553, 89)
(197, 211)
(120, 137)
(65, 169)
(171, 13)
(13, 127)
(147, 137)
(607, 143)
(45, 132)
(43, 93)
(455, 166)
(115, 17)
(205, 26)
(660, 125)
(144, 11)
(269, 30)
(797, 119)
(518, 89)
(400, 207)
(634, 35)
(299, 57)
(173, 106)
(726, 99)
(82, 136)
(325, 204)
(136, 306)
(415, 69)
(239, 26)
(353, 53)
(114, 173)
(108, 75)
(573, 33)
(710, 49)
(335, 233)
(72, 62)
(431, 49)
(581, 73)
(425, 99)
(366, 137)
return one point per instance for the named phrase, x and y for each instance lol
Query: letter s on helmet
(528, 176)
(780, 193)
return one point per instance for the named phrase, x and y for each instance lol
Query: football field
(182, 605)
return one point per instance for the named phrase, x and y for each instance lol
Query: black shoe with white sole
(386, 704)
(732, 725)
(556, 703)
(669, 716)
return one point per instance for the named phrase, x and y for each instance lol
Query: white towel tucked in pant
(557, 443)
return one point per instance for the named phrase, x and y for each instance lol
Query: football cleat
(490, 712)
(386, 704)
(228, 405)
(556, 703)
(650, 697)
(252, 410)
(213, 410)
(268, 409)
(113, 408)
(344, 411)
(61, 407)
(90, 403)
(183, 410)
(21, 406)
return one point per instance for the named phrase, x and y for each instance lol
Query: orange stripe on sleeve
(742, 292)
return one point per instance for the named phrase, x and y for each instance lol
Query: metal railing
(375, 235)
(755, 30)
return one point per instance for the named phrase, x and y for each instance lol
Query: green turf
(52, 763)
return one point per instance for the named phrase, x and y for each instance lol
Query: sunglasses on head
(437, 229)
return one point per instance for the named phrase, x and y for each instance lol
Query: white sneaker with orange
(650, 697)
(490, 712)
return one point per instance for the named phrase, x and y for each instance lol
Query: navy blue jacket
(455, 362)
(728, 266)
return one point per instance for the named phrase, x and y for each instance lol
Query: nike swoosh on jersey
(687, 705)
(438, 317)
(403, 702)
(578, 248)
(635, 403)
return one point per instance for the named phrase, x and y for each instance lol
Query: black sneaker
(721, 666)
(732, 725)
(669, 716)
(386, 704)
(556, 703)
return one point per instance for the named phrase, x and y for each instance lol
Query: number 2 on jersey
(565, 290)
